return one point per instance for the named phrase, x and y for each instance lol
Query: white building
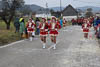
(69, 13)
(43, 13)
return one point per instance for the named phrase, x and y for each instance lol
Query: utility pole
(47, 9)
(61, 7)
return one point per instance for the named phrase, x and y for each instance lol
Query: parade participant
(43, 31)
(90, 22)
(58, 22)
(73, 21)
(30, 28)
(64, 22)
(81, 20)
(54, 26)
(85, 27)
(33, 33)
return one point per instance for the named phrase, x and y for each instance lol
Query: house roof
(70, 11)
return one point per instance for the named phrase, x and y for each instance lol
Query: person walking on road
(85, 28)
(43, 31)
(54, 27)
(30, 28)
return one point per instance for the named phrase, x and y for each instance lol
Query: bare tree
(89, 13)
(9, 9)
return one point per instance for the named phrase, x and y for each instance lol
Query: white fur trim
(43, 35)
(53, 34)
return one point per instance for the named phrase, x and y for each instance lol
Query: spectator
(16, 24)
(22, 26)
(37, 26)
(61, 22)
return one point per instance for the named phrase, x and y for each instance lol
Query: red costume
(53, 27)
(64, 23)
(43, 29)
(98, 27)
(86, 26)
(30, 27)
(73, 20)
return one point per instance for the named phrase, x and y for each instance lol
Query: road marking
(12, 44)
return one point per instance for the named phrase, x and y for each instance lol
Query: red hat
(30, 19)
(44, 19)
(54, 18)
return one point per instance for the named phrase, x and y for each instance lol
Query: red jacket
(30, 25)
(85, 27)
(43, 27)
(56, 26)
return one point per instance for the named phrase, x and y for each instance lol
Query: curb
(11, 44)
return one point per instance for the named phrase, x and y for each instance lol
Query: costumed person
(73, 21)
(54, 27)
(30, 28)
(64, 22)
(85, 27)
(43, 31)
(58, 22)
(34, 27)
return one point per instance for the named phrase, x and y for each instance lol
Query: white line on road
(12, 44)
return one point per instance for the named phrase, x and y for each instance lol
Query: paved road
(72, 51)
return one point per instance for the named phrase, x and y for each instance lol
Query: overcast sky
(56, 3)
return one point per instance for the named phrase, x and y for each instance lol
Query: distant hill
(33, 7)
(36, 8)
(56, 8)
(95, 9)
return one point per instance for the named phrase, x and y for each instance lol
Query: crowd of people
(87, 23)
(51, 26)
(43, 28)
(80, 20)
